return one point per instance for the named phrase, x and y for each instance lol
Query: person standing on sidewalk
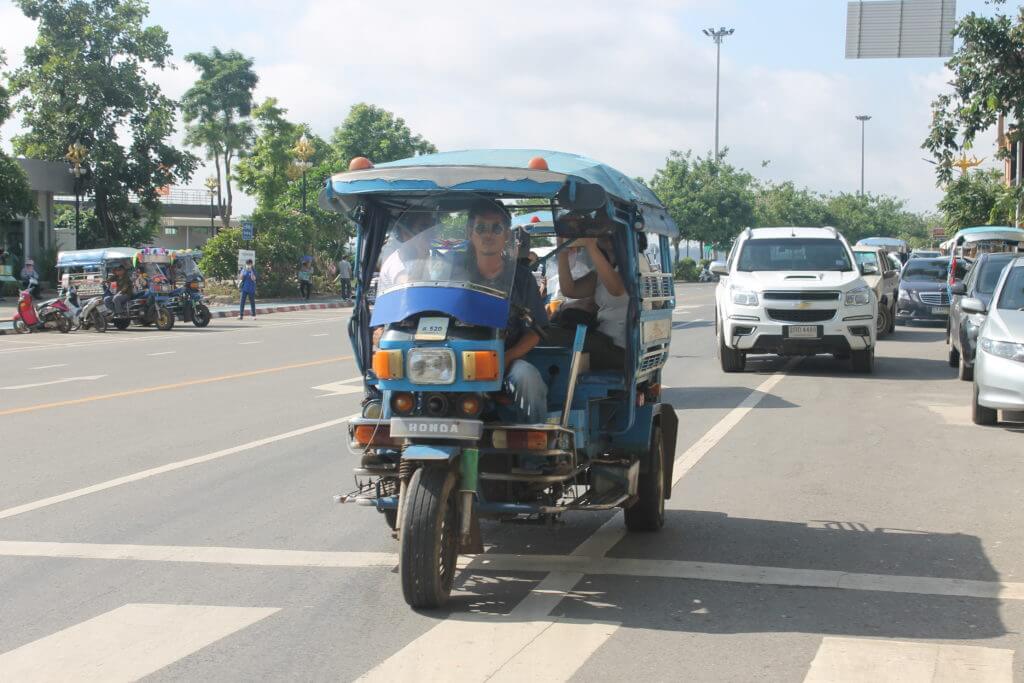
(305, 277)
(345, 275)
(247, 286)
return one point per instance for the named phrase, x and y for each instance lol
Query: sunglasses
(493, 228)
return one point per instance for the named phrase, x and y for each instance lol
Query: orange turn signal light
(387, 364)
(479, 365)
(402, 403)
(519, 439)
(373, 435)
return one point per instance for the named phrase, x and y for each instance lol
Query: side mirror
(719, 268)
(973, 305)
(958, 288)
(868, 269)
(577, 196)
(890, 274)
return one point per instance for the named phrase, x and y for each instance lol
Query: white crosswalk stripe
(854, 660)
(127, 643)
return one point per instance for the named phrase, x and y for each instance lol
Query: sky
(621, 82)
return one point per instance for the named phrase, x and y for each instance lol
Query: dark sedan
(924, 290)
(963, 327)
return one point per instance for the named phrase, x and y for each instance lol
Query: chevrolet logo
(803, 305)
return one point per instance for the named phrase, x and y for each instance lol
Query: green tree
(868, 215)
(15, 194)
(216, 111)
(988, 82)
(84, 80)
(975, 198)
(710, 201)
(784, 204)
(372, 132)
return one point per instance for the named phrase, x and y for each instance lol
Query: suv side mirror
(868, 269)
(719, 268)
(973, 305)
(958, 288)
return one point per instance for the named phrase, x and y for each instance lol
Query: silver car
(999, 363)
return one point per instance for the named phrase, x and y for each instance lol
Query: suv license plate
(802, 331)
(940, 310)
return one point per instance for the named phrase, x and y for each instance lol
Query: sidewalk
(10, 306)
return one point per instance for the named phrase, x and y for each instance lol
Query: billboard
(878, 29)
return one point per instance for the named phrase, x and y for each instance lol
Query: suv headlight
(743, 297)
(431, 366)
(904, 295)
(1009, 350)
(858, 297)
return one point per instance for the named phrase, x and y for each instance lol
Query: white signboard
(245, 255)
(898, 29)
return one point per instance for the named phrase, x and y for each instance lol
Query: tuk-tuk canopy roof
(891, 242)
(93, 257)
(982, 233)
(500, 171)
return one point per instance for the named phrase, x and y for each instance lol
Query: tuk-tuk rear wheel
(201, 317)
(98, 322)
(164, 319)
(122, 323)
(429, 537)
(648, 512)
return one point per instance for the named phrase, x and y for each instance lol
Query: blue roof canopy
(499, 171)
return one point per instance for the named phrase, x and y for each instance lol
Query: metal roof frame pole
(1019, 147)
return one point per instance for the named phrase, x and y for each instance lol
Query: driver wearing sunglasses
(490, 235)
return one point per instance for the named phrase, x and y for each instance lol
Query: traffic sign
(938, 232)
(247, 231)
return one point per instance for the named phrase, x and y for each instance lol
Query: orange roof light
(535, 219)
(538, 164)
(359, 164)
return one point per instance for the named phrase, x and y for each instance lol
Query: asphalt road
(165, 511)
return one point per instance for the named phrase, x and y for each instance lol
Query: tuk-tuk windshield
(469, 248)
(185, 268)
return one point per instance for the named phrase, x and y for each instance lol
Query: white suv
(793, 292)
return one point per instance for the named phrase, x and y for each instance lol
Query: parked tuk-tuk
(86, 270)
(442, 443)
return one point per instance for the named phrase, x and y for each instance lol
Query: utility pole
(863, 118)
(717, 36)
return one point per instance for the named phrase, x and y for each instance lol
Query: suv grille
(813, 295)
(939, 298)
(804, 316)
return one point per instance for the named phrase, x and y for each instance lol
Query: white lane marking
(852, 660)
(685, 462)
(481, 643)
(678, 309)
(47, 367)
(341, 388)
(161, 353)
(86, 378)
(126, 643)
(125, 337)
(320, 334)
(558, 565)
(162, 469)
(556, 653)
(259, 341)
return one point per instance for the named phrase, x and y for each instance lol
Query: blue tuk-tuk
(87, 269)
(442, 437)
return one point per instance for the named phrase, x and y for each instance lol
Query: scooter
(66, 305)
(707, 276)
(29, 319)
(94, 315)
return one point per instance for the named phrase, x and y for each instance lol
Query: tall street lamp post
(863, 118)
(717, 36)
(211, 187)
(76, 156)
(303, 152)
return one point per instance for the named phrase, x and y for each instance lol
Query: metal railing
(177, 195)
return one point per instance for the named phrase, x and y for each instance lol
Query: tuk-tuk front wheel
(98, 321)
(164, 319)
(430, 537)
(648, 512)
(122, 323)
(201, 316)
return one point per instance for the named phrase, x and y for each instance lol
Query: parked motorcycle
(66, 304)
(94, 315)
(188, 305)
(707, 276)
(29, 318)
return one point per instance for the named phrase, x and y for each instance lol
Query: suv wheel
(954, 355)
(882, 322)
(733, 360)
(863, 361)
(966, 371)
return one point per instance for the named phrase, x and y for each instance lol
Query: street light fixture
(717, 36)
(212, 185)
(76, 156)
(863, 118)
(303, 151)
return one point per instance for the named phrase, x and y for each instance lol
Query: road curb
(232, 313)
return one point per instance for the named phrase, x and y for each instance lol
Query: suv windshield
(1012, 297)
(794, 253)
(991, 269)
(919, 270)
(429, 246)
